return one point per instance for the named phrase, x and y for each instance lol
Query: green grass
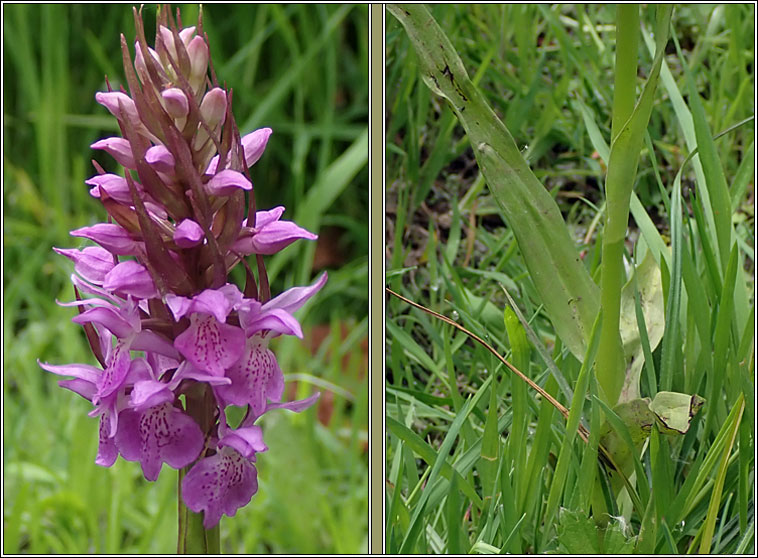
(500, 472)
(302, 70)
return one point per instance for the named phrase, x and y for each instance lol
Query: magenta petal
(210, 345)
(83, 372)
(254, 145)
(295, 406)
(110, 236)
(106, 450)
(211, 301)
(294, 298)
(131, 278)
(161, 434)
(106, 317)
(247, 441)
(220, 484)
(273, 319)
(227, 182)
(188, 234)
(154, 343)
(119, 105)
(118, 148)
(187, 371)
(92, 262)
(115, 373)
(150, 393)
(276, 236)
(114, 185)
(255, 378)
(263, 218)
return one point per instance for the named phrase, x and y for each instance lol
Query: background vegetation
(300, 69)
(547, 71)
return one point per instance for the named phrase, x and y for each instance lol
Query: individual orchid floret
(119, 105)
(270, 235)
(131, 278)
(92, 263)
(160, 434)
(255, 378)
(208, 343)
(118, 148)
(110, 236)
(188, 234)
(224, 482)
(113, 185)
(253, 145)
(276, 314)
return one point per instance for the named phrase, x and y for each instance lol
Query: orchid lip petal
(219, 484)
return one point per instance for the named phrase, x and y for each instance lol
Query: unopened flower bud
(118, 148)
(213, 107)
(198, 55)
(175, 102)
(227, 182)
(188, 234)
(160, 158)
(254, 144)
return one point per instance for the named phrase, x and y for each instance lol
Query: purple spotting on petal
(255, 378)
(116, 370)
(118, 148)
(131, 278)
(106, 449)
(227, 182)
(110, 236)
(210, 345)
(92, 263)
(161, 434)
(220, 484)
(188, 234)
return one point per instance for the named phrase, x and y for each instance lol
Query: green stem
(193, 537)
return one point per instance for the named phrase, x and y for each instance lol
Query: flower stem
(193, 537)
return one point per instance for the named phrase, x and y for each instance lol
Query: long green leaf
(565, 287)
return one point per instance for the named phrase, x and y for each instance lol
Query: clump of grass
(476, 461)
